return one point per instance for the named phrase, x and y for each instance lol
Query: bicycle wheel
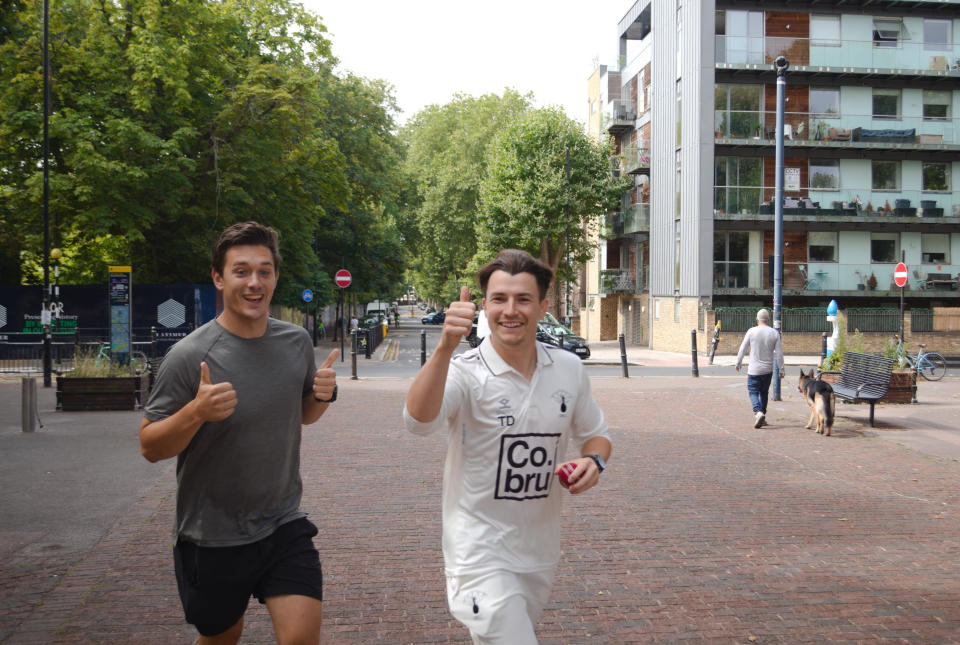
(932, 366)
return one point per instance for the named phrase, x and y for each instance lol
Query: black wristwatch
(333, 397)
(601, 464)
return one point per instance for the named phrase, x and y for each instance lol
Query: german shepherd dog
(819, 396)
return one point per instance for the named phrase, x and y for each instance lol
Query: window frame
(947, 171)
(945, 46)
(925, 103)
(822, 163)
(883, 35)
(824, 18)
(886, 91)
(924, 255)
(835, 246)
(885, 237)
(897, 175)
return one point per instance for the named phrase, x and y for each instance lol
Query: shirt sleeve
(743, 347)
(176, 385)
(311, 367)
(588, 420)
(779, 350)
(454, 395)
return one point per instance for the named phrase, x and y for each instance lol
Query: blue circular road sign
(307, 295)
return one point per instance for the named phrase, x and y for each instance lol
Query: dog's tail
(831, 408)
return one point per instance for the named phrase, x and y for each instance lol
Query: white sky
(432, 49)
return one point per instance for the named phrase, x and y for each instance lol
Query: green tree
(445, 165)
(526, 197)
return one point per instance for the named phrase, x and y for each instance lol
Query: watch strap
(597, 459)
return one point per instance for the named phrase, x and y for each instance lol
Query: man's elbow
(151, 455)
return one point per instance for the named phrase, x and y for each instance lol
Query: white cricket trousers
(500, 607)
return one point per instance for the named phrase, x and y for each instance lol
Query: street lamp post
(45, 312)
(781, 65)
(567, 244)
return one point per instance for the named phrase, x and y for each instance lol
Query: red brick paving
(704, 530)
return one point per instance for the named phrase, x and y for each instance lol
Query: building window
(883, 247)
(886, 103)
(886, 175)
(936, 35)
(822, 246)
(739, 37)
(738, 184)
(936, 105)
(737, 110)
(886, 32)
(825, 30)
(936, 177)
(731, 259)
(935, 248)
(825, 102)
(824, 174)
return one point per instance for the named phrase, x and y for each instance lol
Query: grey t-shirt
(239, 478)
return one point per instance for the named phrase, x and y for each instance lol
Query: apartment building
(871, 159)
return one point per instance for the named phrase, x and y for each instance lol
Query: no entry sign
(343, 278)
(900, 275)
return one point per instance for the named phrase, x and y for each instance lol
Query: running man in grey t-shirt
(229, 403)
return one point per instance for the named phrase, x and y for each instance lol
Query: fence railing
(23, 353)
(814, 319)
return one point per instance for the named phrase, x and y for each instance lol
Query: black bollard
(353, 355)
(423, 347)
(693, 341)
(623, 356)
(823, 348)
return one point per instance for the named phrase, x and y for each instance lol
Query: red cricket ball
(564, 472)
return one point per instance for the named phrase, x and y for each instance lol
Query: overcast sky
(432, 49)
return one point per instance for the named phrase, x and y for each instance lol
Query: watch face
(601, 464)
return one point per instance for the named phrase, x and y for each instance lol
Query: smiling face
(247, 283)
(513, 307)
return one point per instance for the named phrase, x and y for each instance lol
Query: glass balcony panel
(902, 54)
(824, 278)
(848, 201)
(847, 128)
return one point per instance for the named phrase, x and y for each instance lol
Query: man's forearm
(168, 437)
(425, 397)
(597, 446)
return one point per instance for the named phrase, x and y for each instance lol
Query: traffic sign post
(900, 279)
(343, 280)
(307, 296)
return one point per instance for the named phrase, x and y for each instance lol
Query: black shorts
(216, 583)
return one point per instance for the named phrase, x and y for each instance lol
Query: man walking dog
(762, 341)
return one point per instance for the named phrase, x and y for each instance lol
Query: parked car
(550, 331)
(436, 318)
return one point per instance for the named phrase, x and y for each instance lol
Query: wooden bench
(935, 280)
(864, 377)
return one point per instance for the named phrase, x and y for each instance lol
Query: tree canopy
(170, 121)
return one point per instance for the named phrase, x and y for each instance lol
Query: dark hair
(245, 234)
(513, 262)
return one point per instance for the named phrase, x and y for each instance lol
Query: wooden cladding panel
(796, 106)
(770, 177)
(788, 34)
(788, 24)
(794, 254)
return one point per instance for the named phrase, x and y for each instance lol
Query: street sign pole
(900, 278)
(342, 279)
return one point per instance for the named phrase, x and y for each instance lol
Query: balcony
(836, 130)
(844, 56)
(621, 118)
(635, 159)
(832, 279)
(867, 206)
(617, 281)
(637, 218)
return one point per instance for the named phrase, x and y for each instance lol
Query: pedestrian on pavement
(510, 406)
(354, 323)
(229, 403)
(762, 341)
(320, 330)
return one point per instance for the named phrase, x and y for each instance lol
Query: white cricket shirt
(501, 503)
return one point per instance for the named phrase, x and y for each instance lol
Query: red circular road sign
(343, 278)
(900, 275)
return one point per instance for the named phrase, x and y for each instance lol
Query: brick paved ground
(704, 530)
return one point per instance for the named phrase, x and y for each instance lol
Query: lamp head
(781, 64)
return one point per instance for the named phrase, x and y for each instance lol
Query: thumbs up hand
(459, 319)
(325, 378)
(214, 401)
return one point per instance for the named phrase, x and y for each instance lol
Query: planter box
(902, 384)
(101, 393)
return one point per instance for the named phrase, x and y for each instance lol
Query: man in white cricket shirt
(510, 406)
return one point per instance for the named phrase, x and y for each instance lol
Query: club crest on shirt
(526, 463)
(504, 404)
(564, 402)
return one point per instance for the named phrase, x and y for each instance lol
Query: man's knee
(211, 635)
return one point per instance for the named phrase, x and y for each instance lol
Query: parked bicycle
(930, 365)
(138, 358)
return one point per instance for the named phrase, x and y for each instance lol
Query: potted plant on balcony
(872, 282)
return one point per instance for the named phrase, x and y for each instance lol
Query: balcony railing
(617, 281)
(637, 218)
(841, 54)
(635, 158)
(845, 129)
(828, 277)
(826, 202)
(621, 117)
